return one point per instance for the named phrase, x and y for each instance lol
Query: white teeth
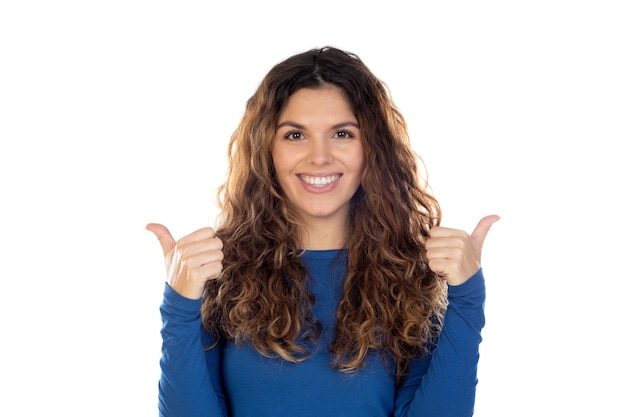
(319, 181)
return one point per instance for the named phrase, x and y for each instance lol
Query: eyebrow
(299, 126)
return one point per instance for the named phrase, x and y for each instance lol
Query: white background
(115, 114)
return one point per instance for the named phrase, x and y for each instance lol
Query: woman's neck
(324, 235)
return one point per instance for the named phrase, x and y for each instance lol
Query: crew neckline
(322, 253)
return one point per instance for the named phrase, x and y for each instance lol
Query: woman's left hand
(454, 254)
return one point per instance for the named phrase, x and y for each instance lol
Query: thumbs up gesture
(456, 255)
(190, 262)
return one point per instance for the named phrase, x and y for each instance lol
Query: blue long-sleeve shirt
(232, 380)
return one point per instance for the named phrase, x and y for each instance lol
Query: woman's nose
(319, 152)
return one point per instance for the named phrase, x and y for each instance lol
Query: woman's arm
(190, 383)
(444, 384)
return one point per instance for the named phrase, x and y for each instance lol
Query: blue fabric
(237, 381)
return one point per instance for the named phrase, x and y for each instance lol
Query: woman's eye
(344, 134)
(293, 136)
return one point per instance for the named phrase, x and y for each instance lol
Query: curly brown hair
(392, 302)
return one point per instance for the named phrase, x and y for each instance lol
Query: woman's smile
(319, 184)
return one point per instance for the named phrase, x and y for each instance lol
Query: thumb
(480, 232)
(163, 234)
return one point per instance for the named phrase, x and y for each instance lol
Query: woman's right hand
(190, 262)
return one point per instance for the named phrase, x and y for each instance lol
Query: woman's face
(318, 155)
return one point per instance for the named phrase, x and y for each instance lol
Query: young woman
(328, 288)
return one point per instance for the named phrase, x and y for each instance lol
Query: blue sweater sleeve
(190, 383)
(444, 384)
